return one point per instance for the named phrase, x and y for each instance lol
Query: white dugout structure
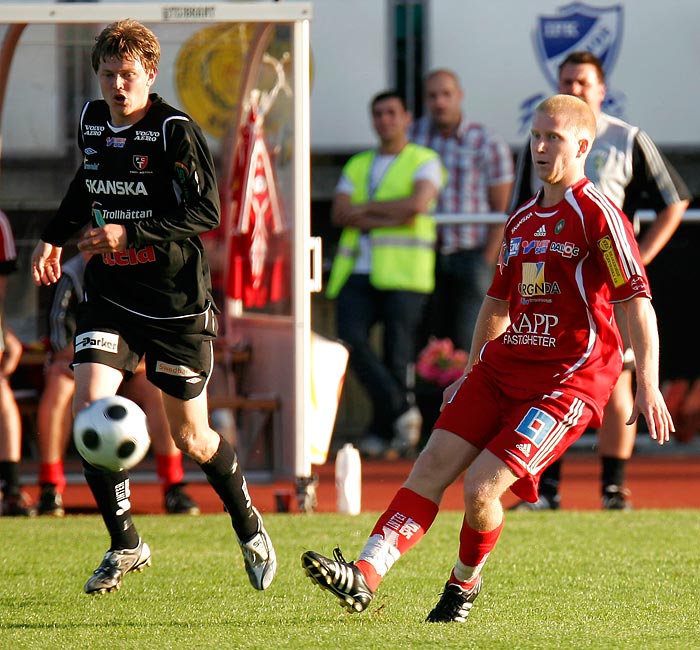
(234, 36)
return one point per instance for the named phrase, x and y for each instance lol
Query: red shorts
(527, 431)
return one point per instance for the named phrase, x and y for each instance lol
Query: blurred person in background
(479, 163)
(14, 502)
(383, 271)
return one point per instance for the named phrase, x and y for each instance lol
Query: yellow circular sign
(208, 74)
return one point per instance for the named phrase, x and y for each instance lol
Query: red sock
(53, 473)
(169, 469)
(404, 523)
(474, 548)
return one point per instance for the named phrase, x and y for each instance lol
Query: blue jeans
(461, 282)
(387, 379)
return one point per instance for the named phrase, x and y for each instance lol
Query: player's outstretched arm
(648, 400)
(46, 263)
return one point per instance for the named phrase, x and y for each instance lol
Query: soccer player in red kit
(549, 356)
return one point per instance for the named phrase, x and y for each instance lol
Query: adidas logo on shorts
(526, 448)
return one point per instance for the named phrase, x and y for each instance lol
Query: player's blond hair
(127, 39)
(579, 117)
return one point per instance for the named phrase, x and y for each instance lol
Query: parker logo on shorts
(190, 375)
(105, 341)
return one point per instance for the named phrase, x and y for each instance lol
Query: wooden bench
(255, 415)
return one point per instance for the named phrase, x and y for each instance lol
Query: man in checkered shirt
(480, 167)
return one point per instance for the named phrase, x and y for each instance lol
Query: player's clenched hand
(107, 239)
(46, 263)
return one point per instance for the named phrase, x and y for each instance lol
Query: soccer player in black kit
(146, 190)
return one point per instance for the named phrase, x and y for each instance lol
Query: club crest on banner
(576, 27)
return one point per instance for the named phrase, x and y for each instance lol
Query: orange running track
(668, 480)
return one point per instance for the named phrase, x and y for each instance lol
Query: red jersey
(561, 267)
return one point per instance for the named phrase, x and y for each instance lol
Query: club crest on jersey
(140, 162)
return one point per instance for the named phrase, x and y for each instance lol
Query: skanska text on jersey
(119, 188)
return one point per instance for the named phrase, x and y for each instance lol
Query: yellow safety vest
(402, 257)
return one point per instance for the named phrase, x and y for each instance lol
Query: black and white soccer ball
(111, 433)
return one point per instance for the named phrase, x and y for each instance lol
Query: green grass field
(556, 580)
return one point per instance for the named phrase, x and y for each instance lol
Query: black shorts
(178, 351)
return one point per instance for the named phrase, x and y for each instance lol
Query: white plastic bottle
(348, 480)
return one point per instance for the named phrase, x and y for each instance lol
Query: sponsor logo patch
(130, 257)
(92, 129)
(525, 448)
(148, 136)
(119, 188)
(565, 249)
(536, 425)
(534, 283)
(177, 371)
(616, 275)
(105, 341)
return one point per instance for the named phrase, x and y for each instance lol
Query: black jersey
(156, 178)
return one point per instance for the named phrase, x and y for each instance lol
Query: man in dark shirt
(147, 190)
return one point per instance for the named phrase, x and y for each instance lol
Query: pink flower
(440, 363)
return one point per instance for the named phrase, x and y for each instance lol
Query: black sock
(549, 481)
(111, 492)
(9, 477)
(613, 471)
(225, 476)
